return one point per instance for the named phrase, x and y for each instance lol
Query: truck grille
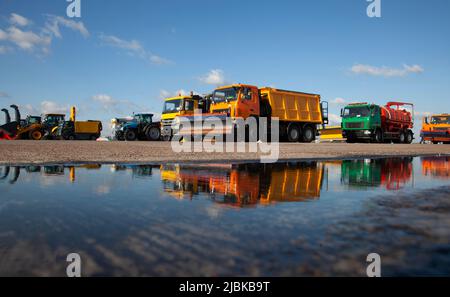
(356, 125)
(167, 122)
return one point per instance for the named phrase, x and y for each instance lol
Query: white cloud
(133, 47)
(386, 71)
(338, 101)
(28, 40)
(164, 94)
(214, 77)
(334, 119)
(39, 39)
(44, 107)
(19, 20)
(115, 106)
(53, 107)
(3, 35)
(54, 23)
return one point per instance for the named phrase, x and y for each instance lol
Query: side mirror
(342, 112)
(425, 120)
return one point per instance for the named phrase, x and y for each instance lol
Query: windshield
(225, 95)
(359, 111)
(54, 119)
(172, 106)
(440, 120)
(34, 120)
(144, 118)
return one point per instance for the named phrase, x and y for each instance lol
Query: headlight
(177, 121)
(367, 132)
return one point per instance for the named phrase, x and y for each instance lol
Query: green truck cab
(360, 121)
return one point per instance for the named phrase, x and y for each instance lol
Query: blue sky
(125, 56)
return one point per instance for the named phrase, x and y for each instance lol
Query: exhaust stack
(73, 113)
(7, 116)
(17, 112)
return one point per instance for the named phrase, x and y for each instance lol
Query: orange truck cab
(436, 129)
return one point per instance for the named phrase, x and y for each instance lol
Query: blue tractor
(141, 127)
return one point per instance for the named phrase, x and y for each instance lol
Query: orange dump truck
(299, 113)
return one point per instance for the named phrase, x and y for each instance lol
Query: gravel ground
(38, 152)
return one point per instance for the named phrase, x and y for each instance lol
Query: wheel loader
(33, 127)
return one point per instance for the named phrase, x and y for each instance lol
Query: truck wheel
(293, 133)
(35, 135)
(379, 136)
(409, 137)
(402, 137)
(308, 134)
(130, 135)
(153, 133)
(71, 137)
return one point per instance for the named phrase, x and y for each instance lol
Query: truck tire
(130, 135)
(293, 133)
(401, 137)
(153, 133)
(379, 137)
(71, 137)
(308, 134)
(409, 137)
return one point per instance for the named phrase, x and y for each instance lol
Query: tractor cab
(31, 120)
(144, 118)
(53, 120)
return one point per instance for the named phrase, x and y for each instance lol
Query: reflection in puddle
(246, 184)
(297, 218)
(393, 174)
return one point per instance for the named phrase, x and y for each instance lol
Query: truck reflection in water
(393, 174)
(138, 171)
(245, 184)
(436, 167)
(50, 171)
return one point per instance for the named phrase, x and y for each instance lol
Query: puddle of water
(287, 219)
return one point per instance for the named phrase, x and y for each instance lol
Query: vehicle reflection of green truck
(392, 173)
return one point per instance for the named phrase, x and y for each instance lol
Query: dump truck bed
(89, 127)
(294, 106)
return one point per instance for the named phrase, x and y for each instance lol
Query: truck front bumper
(435, 135)
(358, 134)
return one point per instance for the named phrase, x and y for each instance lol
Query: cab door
(248, 104)
(188, 107)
